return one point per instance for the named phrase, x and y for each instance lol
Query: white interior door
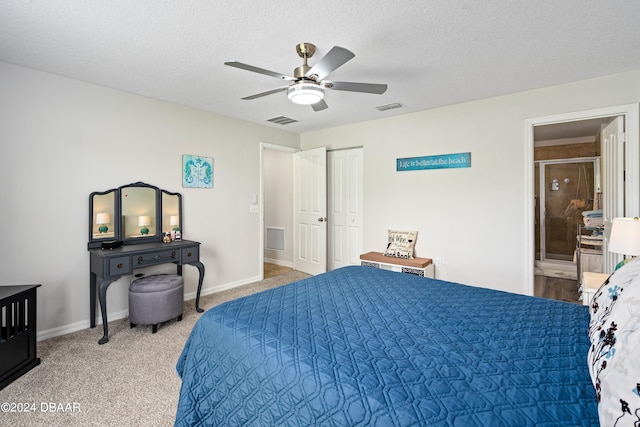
(310, 211)
(613, 185)
(344, 170)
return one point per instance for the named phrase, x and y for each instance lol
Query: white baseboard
(78, 326)
(279, 262)
(85, 324)
(220, 288)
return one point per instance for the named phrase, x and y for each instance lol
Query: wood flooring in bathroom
(556, 288)
(271, 270)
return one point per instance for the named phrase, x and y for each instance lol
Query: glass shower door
(566, 190)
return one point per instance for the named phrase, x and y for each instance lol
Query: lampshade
(103, 218)
(625, 236)
(173, 220)
(305, 93)
(144, 220)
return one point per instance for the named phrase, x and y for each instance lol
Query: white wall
(61, 139)
(278, 202)
(471, 218)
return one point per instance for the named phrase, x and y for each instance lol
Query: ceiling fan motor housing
(300, 71)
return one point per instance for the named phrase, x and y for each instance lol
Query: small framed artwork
(197, 171)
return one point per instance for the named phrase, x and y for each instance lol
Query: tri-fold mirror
(133, 213)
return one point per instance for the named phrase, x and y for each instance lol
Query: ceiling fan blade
(356, 87)
(319, 106)
(258, 70)
(336, 57)
(269, 92)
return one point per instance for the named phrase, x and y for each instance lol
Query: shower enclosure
(564, 189)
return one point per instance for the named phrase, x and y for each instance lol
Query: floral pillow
(614, 355)
(401, 243)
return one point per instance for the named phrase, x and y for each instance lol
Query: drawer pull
(119, 265)
(189, 254)
(140, 259)
(173, 254)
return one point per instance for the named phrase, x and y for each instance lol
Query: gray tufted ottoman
(155, 299)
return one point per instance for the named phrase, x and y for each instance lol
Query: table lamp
(102, 219)
(173, 220)
(143, 221)
(625, 238)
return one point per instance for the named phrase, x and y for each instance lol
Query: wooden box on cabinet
(418, 266)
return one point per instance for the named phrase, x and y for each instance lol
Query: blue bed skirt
(360, 346)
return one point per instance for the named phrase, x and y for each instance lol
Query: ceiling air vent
(282, 120)
(391, 106)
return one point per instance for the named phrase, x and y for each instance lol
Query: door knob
(322, 219)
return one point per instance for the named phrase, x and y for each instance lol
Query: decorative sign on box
(440, 161)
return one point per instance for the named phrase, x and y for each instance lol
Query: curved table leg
(103, 309)
(200, 279)
(92, 299)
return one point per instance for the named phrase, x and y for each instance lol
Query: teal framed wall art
(197, 171)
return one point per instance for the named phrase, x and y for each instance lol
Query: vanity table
(117, 246)
(108, 265)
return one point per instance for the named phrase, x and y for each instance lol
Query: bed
(361, 346)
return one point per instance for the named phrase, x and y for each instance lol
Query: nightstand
(589, 284)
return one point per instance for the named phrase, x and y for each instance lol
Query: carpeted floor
(130, 381)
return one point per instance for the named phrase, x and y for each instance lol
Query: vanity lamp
(173, 220)
(143, 221)
(102, 219)
(625, 238)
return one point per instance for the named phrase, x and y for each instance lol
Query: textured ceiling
(430, 53)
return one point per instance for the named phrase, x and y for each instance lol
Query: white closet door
(345, 207)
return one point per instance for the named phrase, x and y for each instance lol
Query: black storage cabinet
(17, 332)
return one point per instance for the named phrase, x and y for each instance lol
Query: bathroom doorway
(620, 180)
(566, 184)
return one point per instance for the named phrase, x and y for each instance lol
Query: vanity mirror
(139, 211)
(102, 219)
(133, 213)
(171, 212)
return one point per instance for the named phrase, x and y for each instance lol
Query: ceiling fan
(307, 83)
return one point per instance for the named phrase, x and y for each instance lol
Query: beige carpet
(130, 381)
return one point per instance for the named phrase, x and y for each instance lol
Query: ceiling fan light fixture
(305, 93)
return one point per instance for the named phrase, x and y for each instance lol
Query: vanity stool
(155, 299)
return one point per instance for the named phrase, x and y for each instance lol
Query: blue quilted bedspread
(365, 347)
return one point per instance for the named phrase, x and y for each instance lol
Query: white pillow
(614, 355)
(401, 243)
